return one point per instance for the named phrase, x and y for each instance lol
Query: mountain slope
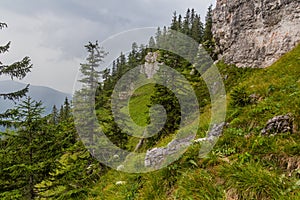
(47, 95)
(243, 164)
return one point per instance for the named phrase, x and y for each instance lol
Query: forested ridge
(43, 157)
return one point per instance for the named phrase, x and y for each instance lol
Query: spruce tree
(28, 154)
(67, 109)
(90, 69)
(179, 23)
(151, 43)
(61, 114)
(84, 99)
(174, 22)
(114, 68)
(133, 56)
(197, 29)
(54, 115)
(208, 41)
(187, 22)
(76, 170)
(17, 70)
(208, 36)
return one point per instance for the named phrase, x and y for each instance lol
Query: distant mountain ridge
(48, 96)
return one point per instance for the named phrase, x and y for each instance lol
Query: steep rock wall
(255, 33)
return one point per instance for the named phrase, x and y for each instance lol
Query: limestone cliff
(255, 33)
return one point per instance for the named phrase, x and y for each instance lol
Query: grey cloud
(57, 30)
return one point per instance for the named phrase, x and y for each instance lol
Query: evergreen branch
(6, 118)
(16, 95)
(9, 113)
(5, 48)
(18, 69)
(3, 25)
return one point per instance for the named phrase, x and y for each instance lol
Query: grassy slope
(243, 164)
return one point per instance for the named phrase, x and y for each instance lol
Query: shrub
(240, 97)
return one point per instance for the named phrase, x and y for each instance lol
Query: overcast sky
(53, 32)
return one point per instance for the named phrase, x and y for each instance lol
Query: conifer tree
(133, 56)
(187, 22)
(151, 42)
(90, 69)
(114, 68)
(208, 36)
(174, 22)
(193, 15)
(67, 109)
(197, 29)
(17, 70)
(208, 41)
(61, 114)
(179, 23)
(76, 171)
(54, 115)
(84, 99)
(27, 156)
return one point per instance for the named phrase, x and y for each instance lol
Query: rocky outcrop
(255, 33)
(279, 124)
(156, 157)
(151, 65)
(150, 68)
(215, 132)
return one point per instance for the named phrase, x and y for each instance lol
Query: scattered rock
(215, 131)
(254, 98)
(279, 124)
(120, 182)
(193, 71)
(120, 167)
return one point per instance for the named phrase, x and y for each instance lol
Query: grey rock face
(215, 132)
(279, 124)
(255, 33)
(155, 157)
(151, 65)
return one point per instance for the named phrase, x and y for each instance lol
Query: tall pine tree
(208, 41)
(17, 70)
(84, 99)
(28, 155)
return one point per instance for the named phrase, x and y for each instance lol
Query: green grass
(138, 104)
(253, 181)
(198, 184)
(243, 164)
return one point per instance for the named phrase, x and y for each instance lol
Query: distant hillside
(47, 95)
